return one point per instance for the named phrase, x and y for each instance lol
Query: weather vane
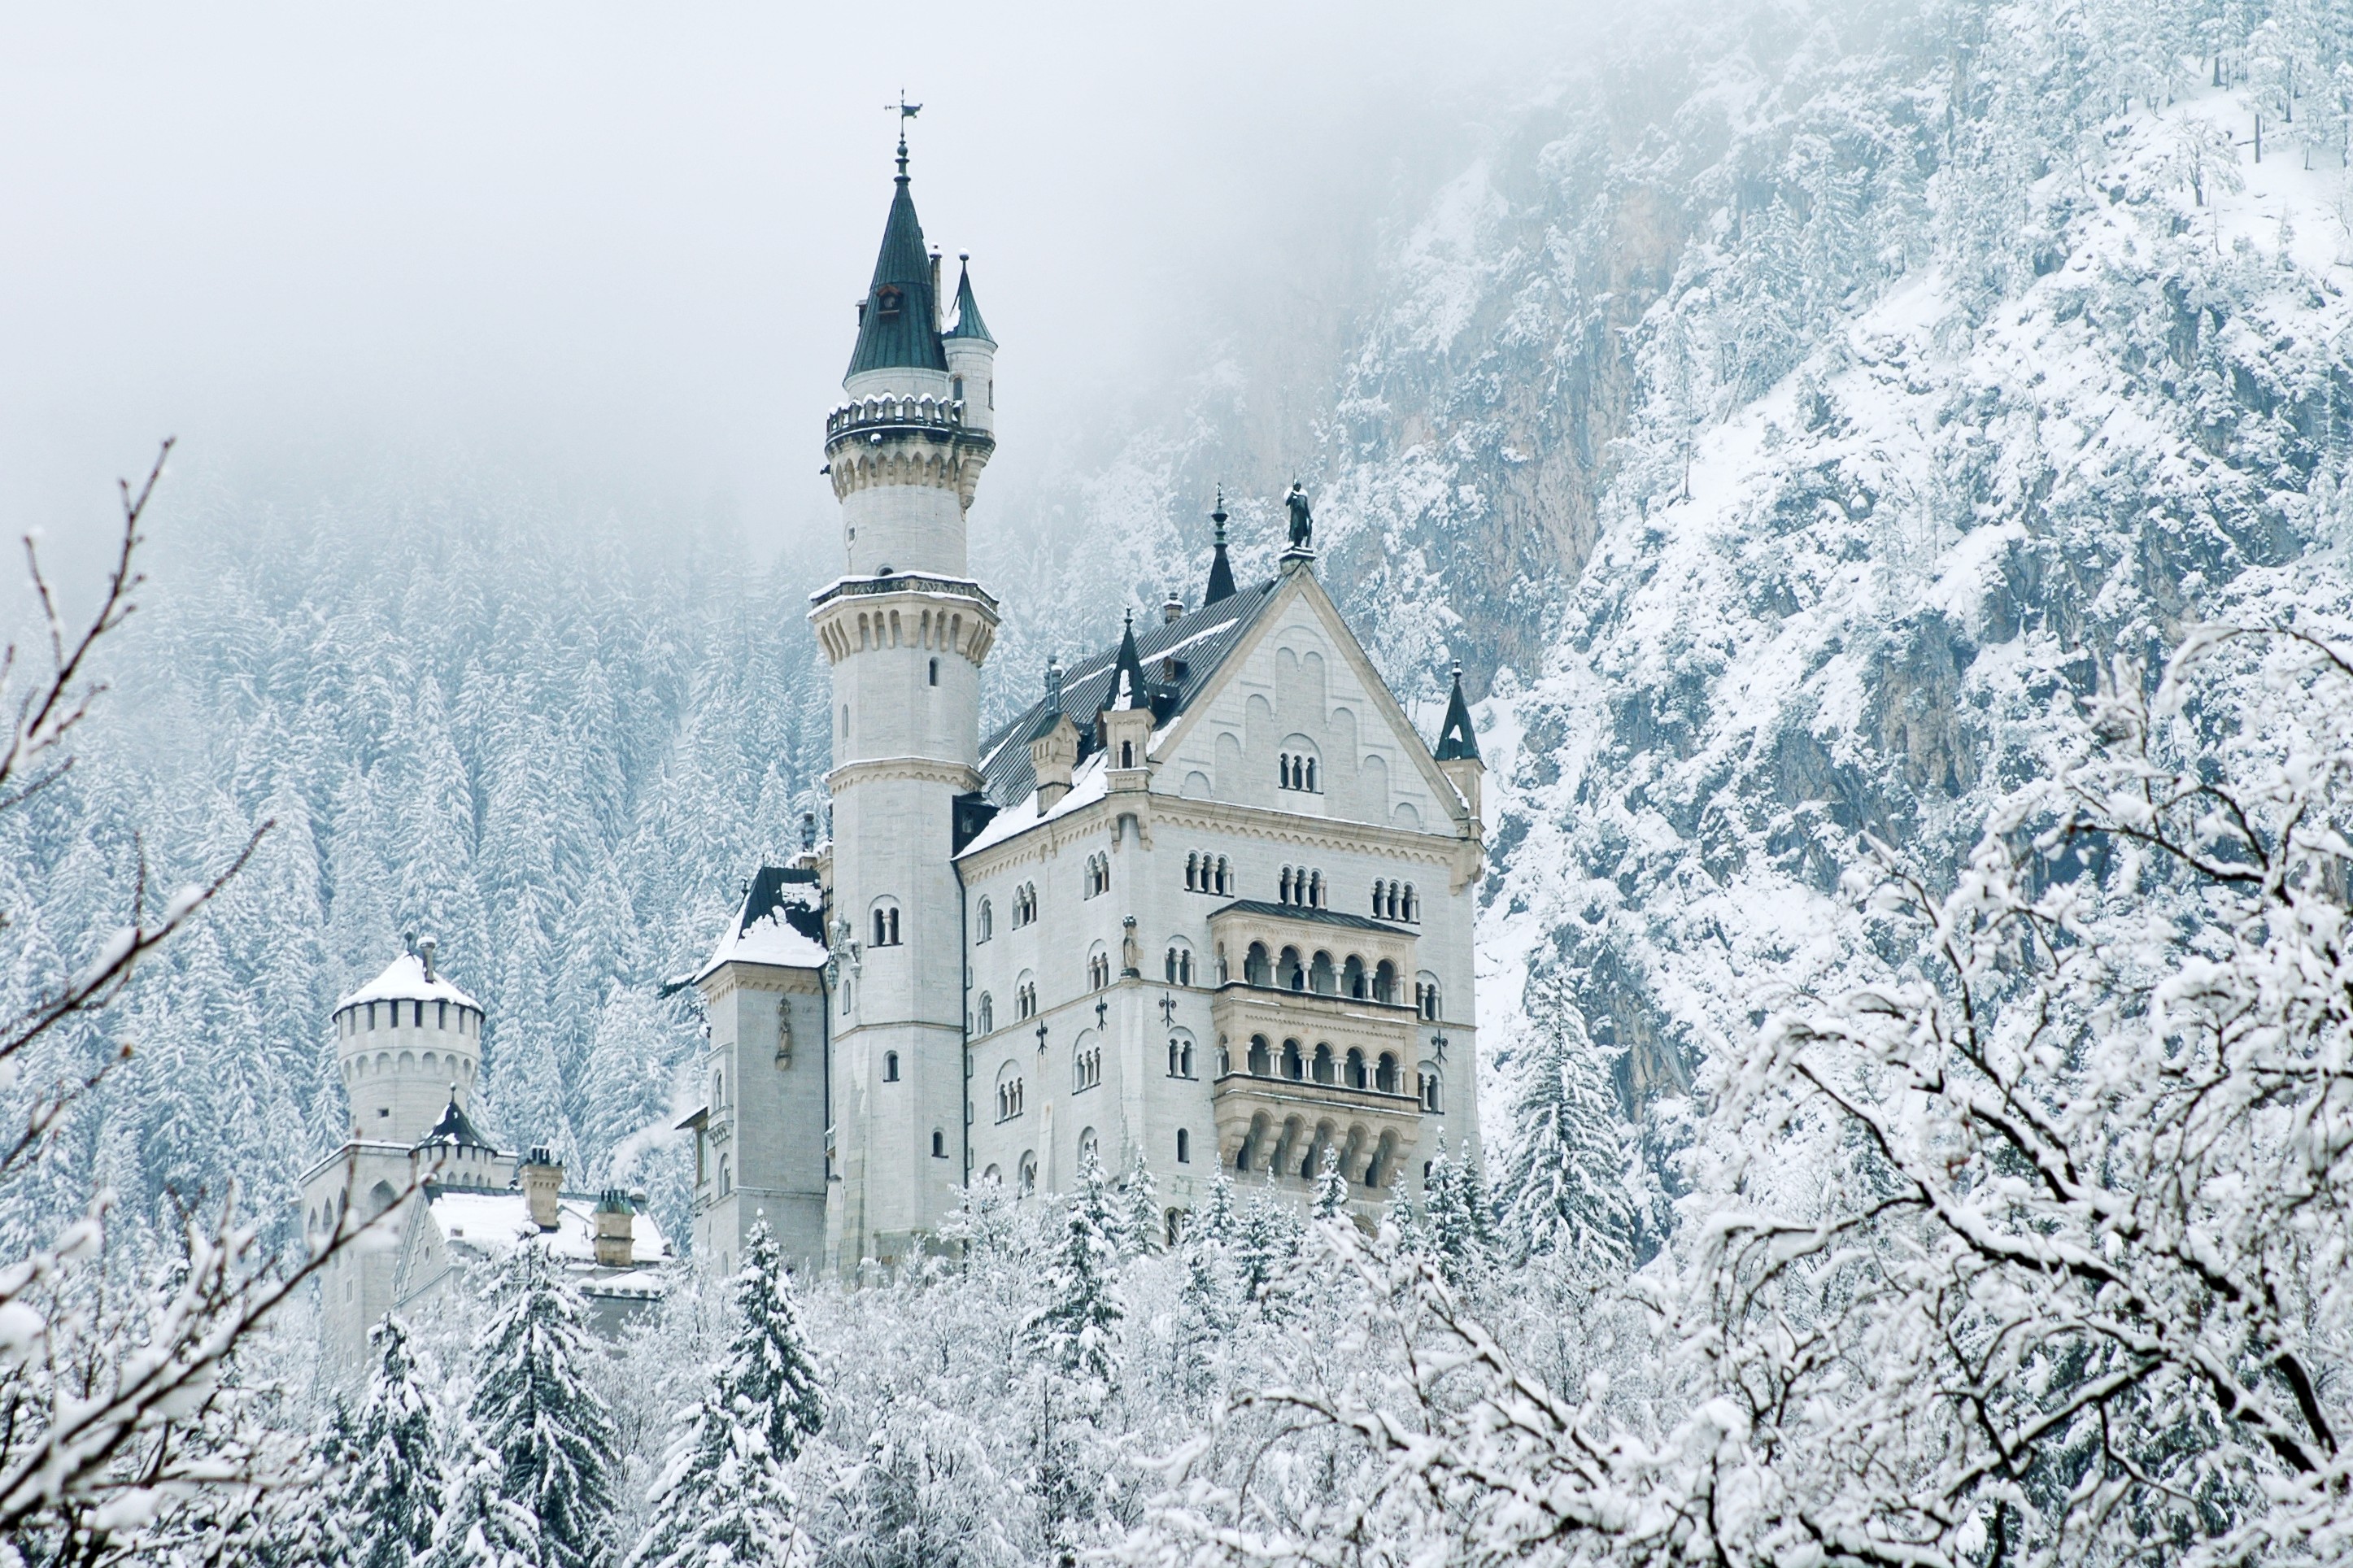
(906, 111)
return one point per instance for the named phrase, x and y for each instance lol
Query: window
(1173, 1222)
(1086, 1064)
(1098, 875)
(1127, 753)
(1426, 1087)
(1177, 966)
(1025, 998)
(886, 924)
(986, 1019)
(935, 672)
(1088, 1147)
(1008, 1092)
(1409, 906)
(1289, 973)
(1354, 980)
(1257, 969)
(1295, 766)
(1425, 997)
(1301, 885)
(1321, 1067)
(1262, 1059)
(1294, 1062)
(986, 919)
(725, 1184)
(939, 1144)
(1028, 1179)
(440, 1014)
(890, 1067)
(1180, 1056)
(955, 387)
(1322, 978)
(1385, 1076)
(846, 984)
(1184, 1149)
(1354, 1074)
(1098, 968)
(1025, 904)
(1384, 983)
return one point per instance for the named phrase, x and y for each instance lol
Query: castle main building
(1205, 904)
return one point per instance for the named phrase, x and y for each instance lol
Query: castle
(1206, 903)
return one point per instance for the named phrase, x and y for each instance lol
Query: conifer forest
(1884, 469)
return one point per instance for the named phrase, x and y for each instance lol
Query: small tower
(1123, 728)
(1458, 749)
(972, 357)
(410, 1047)
(1221, 571)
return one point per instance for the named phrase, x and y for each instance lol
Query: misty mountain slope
(1854, 605)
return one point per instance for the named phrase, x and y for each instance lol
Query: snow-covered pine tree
(1455, 1227)
(1077, 1332)
(768, 1372)
(1565, 1171)
(391, 1497)
(721, 1496)
(1331, 1199)
(534, 1409)
(1215, 1221)
(1264, 1249)
(480, 1526)
(1139, 1204)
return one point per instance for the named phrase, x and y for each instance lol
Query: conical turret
(1221, 571)
(898, 321)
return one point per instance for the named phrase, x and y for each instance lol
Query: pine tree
(1330, 1200)
(480, 1526)
(1265, 1247)
(392, 1495)
(1566, 1170)
(769, 1372)
(1455, 1227)
(550, 1432)
(1217, 1221)
(1077, 1332)
(1140, 1209)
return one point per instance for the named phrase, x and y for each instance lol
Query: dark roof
(1221, 571)
(1456, 739)
(453, 1128)
(1127, 688)
(899, 323)
(791, 888)
(1005, 775)
(1300, 912)
(968, 323)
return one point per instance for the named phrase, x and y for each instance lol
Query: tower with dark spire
(1457, 752)
(906, 632)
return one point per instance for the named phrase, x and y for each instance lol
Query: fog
(612, 250)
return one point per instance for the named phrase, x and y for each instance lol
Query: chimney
(543, 1179)
(808, 832)
(615, 1247)
(1172, 610)
(425, 951)
(936, 290)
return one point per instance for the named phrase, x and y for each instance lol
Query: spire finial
(906, 111)
(1218, 516)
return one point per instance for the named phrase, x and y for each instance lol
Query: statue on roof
(1303, 521)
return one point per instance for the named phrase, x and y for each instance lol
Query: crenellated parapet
(905, 440)
(927, 614)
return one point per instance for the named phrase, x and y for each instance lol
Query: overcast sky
(618, 245)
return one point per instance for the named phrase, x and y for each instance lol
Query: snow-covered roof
(777, 923)
(405, 979)
(1090, 781)
(490, 1223)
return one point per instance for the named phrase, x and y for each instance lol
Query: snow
(491, 1223)
(404, 980)
(770, 939)
(1089, 784)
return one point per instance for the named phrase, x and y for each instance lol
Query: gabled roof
(1200, 642)
(1456, 739)
(968, 323)
(781, 922)
(897, 325)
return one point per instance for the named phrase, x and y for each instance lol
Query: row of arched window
(1009, 1097)
(1025, 904)
(1098, 970)
(1178, 966)
(1086, 1067)
(1296, 770)
(1323, 1065)
(886, 924)
(1395, 901)
(1207, 873)
(1323, 975)
(1301, 887)
(1180, 1057)
(1098, 875)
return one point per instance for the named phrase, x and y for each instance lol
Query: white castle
(1207, 904)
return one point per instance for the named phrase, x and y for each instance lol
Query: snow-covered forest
(1885, 464)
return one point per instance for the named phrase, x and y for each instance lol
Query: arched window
(1353, 981)
(1184, 1147)
(1353, 1073)
(1320, 976)
(1384, 983)
(939, 1139)
(1282, 886)
(986, 920)
(1294, 1062)
(1295, 766)
(1028, 998)
(1027, 1180)
(1425, 996)
(1098, 875)
(1174, 1221)
(1008, 1092)
(846, 985)
(987, 1019)
(1086, 1063)
(1291, 973)
(993, 1176)
(1088, 1149)
(1261, 1061)
(1315, 889)
(726, 1183)
(1025, 904)
(1256, 968)
(1225, 876)
(1426, 1083)
(1385, 1076)
(1322, 1068)
(935, 672)
(886, 923)
(890, 1067)
(1180, 1056)
(1410, 907)
(1127, 753)
(1179, 964)
(1192, 872)
(1098, 968)
(718, 1091)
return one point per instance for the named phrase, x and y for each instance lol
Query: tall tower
(906, 633)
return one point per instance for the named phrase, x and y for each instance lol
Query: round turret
(409, 1045)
